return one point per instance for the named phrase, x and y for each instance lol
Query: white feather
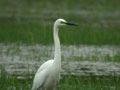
(48, 74)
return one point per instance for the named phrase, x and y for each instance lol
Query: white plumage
(48, 74)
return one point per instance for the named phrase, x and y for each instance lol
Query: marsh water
(19, 59)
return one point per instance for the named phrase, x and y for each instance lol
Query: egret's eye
(63, 22)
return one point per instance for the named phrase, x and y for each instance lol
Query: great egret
(48, 74)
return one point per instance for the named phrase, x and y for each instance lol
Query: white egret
(48, 74)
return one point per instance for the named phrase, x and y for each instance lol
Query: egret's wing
(40, 79)
(45, 65)
(41, 75)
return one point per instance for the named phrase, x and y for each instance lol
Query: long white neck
(57, 57)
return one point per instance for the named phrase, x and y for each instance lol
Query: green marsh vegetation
(31, 22)
(98, 21)
(69, 82)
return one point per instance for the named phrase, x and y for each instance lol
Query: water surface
(77, 60)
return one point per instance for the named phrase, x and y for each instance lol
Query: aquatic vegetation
(93, 45)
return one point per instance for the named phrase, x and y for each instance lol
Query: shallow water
(77, 60)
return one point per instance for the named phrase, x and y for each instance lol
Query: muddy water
(78, 60)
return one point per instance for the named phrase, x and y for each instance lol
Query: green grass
(66, 83)
(69, 35)
(8, 82)
(32, 22)
(61, 5)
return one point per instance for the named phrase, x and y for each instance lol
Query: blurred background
(90, 51)
(98, 21)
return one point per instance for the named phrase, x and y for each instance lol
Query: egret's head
(62, 22)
